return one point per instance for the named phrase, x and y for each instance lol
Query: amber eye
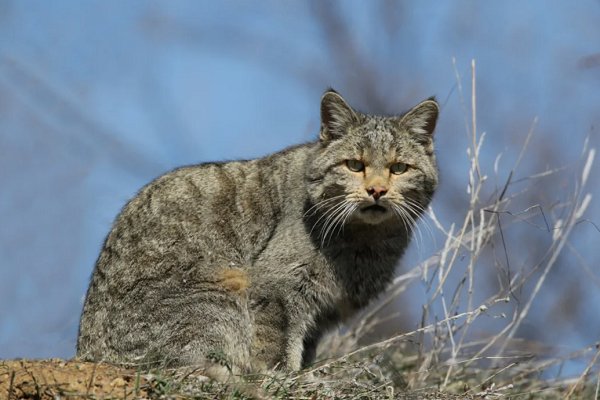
(355, 165)
(398, 168)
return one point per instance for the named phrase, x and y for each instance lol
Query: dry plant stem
(386, 343)
(491, 226)
(450, 334)
(463, 362)
(559, 238)
(493, 340)
(583, 374)
(585, 266)
(12, 381)
(546, 365)
(89, 386)
(525, 145)
(462, 98)
(493, 375)
(475, 245)
(456, 249)
(424, 366)
(476, 250)
(474, 195)
(474, 115)
(483, 237)
(597, 385)
(543, 174)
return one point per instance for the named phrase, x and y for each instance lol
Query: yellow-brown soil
(54, 379)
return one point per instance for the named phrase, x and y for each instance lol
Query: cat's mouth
(374, 208)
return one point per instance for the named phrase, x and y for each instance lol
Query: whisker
(332, 214)
(348, 214)
(344, 214)
(424, 214)
(415, 205)
(413, 225)
(334, 221)
(413, 221)
(327, 212)
(321, 203)
(400, 213)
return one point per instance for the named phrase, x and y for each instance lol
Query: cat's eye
(355, 165)
(398, 168)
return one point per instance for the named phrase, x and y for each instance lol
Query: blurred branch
(591, 61)
(69, 120)
(342, 48)
(267, 50)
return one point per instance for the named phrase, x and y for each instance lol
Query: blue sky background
(98, 98)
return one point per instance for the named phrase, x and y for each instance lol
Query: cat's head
(373, 169)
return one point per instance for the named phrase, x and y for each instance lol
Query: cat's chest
(364, 271)
(350, 272)
(347, 281)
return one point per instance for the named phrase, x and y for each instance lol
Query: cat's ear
(336, 116)
(421, 121)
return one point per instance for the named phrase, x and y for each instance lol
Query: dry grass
(443, 358)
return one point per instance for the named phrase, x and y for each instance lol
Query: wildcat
(255, 260)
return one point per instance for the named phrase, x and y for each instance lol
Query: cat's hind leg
(215, 329)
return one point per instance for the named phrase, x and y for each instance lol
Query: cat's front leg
(279, 337)
(294, 346)
(299, 320)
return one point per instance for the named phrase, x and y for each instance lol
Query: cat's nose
(377, 191)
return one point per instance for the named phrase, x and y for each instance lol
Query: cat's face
(373, 170)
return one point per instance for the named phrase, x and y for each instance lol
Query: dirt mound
(55, 378)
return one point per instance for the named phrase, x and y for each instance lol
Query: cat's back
(222, 210)
(193, 211)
